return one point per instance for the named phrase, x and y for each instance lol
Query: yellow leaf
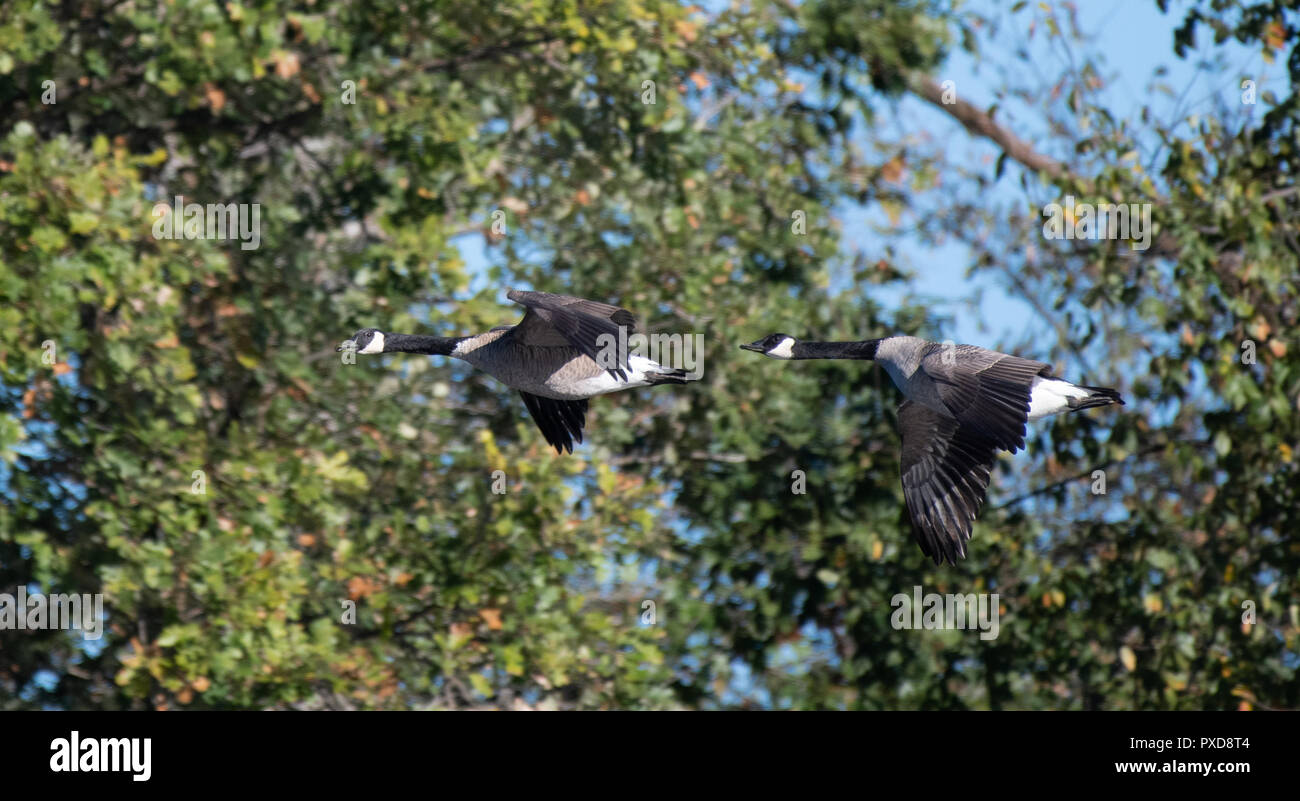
(1129, 658)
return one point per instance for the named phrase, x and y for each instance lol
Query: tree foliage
(654, 155)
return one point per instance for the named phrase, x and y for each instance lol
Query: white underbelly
(604, 383)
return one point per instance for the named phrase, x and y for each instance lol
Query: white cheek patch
(784, 350)
(376, 344)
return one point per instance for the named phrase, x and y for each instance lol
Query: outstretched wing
(559, 320)
(945, 467)
(560, 421)
(985, 390)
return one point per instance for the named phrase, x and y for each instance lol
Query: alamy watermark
(241, 221)
(676, 351)
(952, 611)
(77, 754)
(1128, 221)
(24, 610)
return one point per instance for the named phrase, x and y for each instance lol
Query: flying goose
(963, 404)
(563, 352)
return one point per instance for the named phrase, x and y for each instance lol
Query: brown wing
(561, 320)
(945, 467)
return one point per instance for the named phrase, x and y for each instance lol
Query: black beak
(340, 348)
(757, 347)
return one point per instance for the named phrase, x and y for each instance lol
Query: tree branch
(981, 123)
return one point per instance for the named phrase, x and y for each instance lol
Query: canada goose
(963, 404)
(563, 352)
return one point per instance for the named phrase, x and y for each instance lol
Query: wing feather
(559, 320)
(986, 390)
(560, 421)
(946, 466)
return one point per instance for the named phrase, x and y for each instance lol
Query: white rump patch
(1049, 396)
(606, 383)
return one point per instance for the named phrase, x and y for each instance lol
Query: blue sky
(1134, 41)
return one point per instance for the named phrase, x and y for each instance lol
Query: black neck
(416, 343)
(835, 350)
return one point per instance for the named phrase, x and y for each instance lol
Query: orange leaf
(216, 97)
(359, 588)
(892, 170)
(286, 64)
(492, 617)
(61, 368)
(1275, 36)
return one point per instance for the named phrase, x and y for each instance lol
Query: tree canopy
(179, 434)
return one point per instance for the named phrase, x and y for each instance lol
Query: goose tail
(668, 375)
(1097, 396)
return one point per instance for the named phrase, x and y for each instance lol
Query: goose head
(777, 346)
(367, 340)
